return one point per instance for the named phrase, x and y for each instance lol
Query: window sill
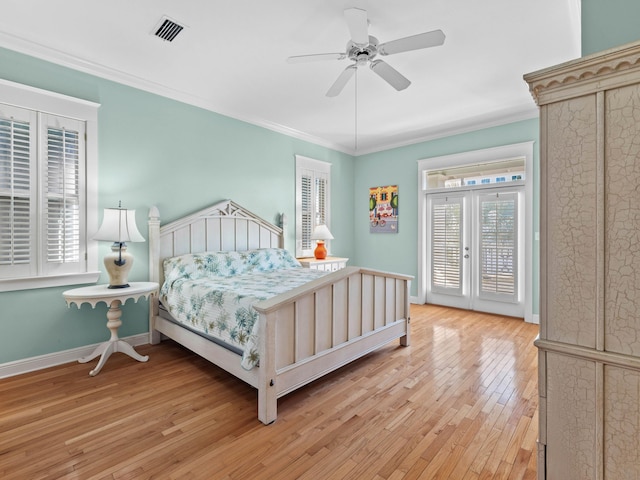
(29, 283)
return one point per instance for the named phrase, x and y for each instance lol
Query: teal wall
(150, 146)
(399, 252)
(609, 23)
(149, 149)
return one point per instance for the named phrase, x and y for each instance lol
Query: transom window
(502, 171)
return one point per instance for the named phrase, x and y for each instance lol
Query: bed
(301, 334)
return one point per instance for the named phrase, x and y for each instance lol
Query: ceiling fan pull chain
(356, 113)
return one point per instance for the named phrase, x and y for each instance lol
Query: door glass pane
(446, 245)
(498, 245)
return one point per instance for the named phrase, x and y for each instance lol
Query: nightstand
(330, 264)
(114, 298)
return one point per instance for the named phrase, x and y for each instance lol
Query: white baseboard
(535, 318)
(26, 365)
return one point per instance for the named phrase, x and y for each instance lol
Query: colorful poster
(383, 209)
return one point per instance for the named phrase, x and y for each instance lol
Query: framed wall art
(383, 209)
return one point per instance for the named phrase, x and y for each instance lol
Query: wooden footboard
(306, 332)
(325, 324)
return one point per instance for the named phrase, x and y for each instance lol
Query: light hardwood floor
(459, 403)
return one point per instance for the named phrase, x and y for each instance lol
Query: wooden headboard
(225, 226)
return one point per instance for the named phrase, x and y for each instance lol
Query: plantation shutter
(446, 245)
(498, 246)
(48, 183)
(321, 213)
(17, 192)
(42, 181)
(307, 209)
(62, 206)
(312, 201)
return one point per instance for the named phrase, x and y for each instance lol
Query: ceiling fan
(364, 48)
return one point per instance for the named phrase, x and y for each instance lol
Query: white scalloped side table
(114, 298)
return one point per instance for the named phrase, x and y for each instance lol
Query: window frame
(316, 169)
(46, 102)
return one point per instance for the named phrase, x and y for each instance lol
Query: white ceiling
(231, 58)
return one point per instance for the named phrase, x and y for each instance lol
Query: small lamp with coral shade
(321, 233)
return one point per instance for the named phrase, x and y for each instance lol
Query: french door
(475, 250)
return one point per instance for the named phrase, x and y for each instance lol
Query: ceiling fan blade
(414, 42)
(358, 25)
(341, 81)
(315, 57)
(390, 75)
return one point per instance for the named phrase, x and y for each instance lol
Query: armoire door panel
(621, 423)
(571, 418)
(622, 232)
(571, 225)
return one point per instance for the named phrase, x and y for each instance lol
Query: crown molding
(466, 125)
(43, 52)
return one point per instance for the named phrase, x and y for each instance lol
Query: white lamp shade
(321, 232)
(119, 225)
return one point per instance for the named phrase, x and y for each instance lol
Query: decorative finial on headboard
(154, 213)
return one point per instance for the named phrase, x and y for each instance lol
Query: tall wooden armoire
(589, 343)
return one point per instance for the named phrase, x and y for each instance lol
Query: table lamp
(118, 226)
(321, 233)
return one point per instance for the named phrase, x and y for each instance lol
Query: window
(485, 173)
(312, 201)
(48, 198)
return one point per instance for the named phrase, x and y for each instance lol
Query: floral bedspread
(213, 293)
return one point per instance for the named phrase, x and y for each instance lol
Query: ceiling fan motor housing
(361, 54)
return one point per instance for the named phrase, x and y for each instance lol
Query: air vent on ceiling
(167, 29)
